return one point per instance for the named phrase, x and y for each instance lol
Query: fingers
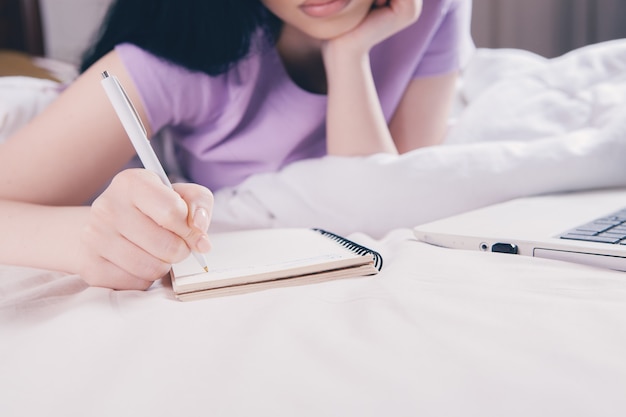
(185, 211)
(144, 232)
(385, 18)
(410, 9)
(114, 262)
(199, 201)
(138, 227)
(402, 12)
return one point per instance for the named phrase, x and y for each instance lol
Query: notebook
(251, 260)
(583, 227)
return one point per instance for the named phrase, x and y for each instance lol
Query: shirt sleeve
(451, 45)
(171, 95)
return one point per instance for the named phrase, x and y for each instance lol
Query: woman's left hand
(386, 18)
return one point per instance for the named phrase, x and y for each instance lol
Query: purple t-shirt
(254, 118)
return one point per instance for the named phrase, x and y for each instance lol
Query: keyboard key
(594, 227)
(608, 229)
(587, 238)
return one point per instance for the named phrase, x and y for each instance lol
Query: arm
(355, 124)
(424, 108)
(355, 121)
(135, 228)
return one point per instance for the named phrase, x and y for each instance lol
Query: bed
(438, 332)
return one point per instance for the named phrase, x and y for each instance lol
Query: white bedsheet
(437, 333)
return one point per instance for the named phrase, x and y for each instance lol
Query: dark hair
(202, 35)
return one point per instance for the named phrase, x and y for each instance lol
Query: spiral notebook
(251, 260)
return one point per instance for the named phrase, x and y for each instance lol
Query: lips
(323, 8)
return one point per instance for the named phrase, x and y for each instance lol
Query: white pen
(138, 135)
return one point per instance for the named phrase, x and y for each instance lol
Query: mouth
(323, 8)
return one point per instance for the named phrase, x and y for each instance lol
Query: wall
(69, 26)
(547, 27)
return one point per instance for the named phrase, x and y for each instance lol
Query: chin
(330, 30)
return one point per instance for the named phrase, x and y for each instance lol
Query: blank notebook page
(256, 252)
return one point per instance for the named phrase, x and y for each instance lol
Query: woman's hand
(386, 18)
(138, 227)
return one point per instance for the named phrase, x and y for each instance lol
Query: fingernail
(201, 219)
(203, 244)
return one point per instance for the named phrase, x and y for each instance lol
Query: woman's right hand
(138, 227)
(386, 18)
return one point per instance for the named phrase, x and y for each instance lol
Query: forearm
(355, 123)
(421, 118)
(38, 236)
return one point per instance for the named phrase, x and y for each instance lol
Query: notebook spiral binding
(353, 246)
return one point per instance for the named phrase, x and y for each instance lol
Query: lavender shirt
(254, 118)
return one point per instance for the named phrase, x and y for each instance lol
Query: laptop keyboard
(609, 229)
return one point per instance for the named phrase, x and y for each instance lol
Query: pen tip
(206, 269)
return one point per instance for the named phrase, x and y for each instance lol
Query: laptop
(584, 227)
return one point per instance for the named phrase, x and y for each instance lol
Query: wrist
(338, 59)
(336, 50)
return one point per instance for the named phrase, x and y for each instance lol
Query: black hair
(201, 35)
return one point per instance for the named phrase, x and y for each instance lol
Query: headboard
(20, 26)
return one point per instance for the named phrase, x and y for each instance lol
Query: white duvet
(437, 333)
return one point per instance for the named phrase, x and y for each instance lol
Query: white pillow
(22, 99)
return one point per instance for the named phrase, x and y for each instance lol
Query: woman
(244, 86)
